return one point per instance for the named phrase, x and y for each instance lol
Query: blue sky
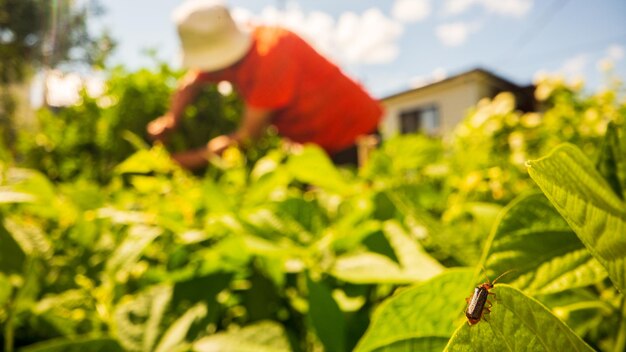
(393, 45)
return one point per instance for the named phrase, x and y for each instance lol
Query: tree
(36, 34)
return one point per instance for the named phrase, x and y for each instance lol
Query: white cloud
(411, 10)
(575, 65)
(615, 52)
(513, 8)
(367, 38)
(455, 7)
(455, 33)
(436, 75)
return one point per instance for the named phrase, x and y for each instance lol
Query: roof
(507, 84)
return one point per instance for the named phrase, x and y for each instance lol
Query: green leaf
(91, 344)
(532, 239)
(129, 251)
(327, 318)
(420, 318)
(264, 336)
(516, 323)
(413, 258)
(369, 268)
(589, 205)
(147, 161)
(57, 310)
(33, 183)
(29, 237)
(12, 256)
(176, 333)
(138, 318)
(612, 160)
(8, 195)
(312, 166)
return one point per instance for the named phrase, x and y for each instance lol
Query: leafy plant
(117, 248)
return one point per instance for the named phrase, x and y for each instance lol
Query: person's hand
(197, 158)
(160, 128)
(191, 159)
(219, 144)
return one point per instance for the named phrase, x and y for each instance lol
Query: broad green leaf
(532, 239)
(125, 217)
(264, 336)
(29, 236)
(175, 334)
(12, 256)
(8, 195)
(421, 317)
(516, 323)
(129, 251)
(312, 166)
(582, 310)
(587, 202)
(146, 161)
(81, 344)
(370, 268)
(60, 310)
(137, 318)
(612, 160)
(328, 320)
(33, 183)
(413, 258)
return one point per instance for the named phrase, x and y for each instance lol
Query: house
(436, 108)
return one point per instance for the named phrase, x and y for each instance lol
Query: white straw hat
(210, 38)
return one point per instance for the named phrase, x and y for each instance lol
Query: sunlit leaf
(8, 195)
(587, 202)
(138, 318)
(370, 268)
(264, 336)
(129, 251)
(61, 311)
(313, 166)
(516, 323)
(146, 161)
(29, 236)
(177, 332)
(81, 344)
(534, 241)
(33, 183)
(421, 317)
(413, 258)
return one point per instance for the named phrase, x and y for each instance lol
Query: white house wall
(452, 100)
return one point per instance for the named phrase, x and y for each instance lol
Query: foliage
(103, 131)
(115, 249)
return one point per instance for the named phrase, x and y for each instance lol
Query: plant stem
(8, 332)
(620, 341)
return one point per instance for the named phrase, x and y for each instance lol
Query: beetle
(478, 303)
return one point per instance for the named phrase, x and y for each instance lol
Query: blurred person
(282, 80)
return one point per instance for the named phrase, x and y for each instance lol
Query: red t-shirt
(312, 100)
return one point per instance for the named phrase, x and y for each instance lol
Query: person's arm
(253, 124)
(185, 93)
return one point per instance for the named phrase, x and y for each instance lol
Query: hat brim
(217, 57)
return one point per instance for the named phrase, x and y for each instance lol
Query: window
(423, 119)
